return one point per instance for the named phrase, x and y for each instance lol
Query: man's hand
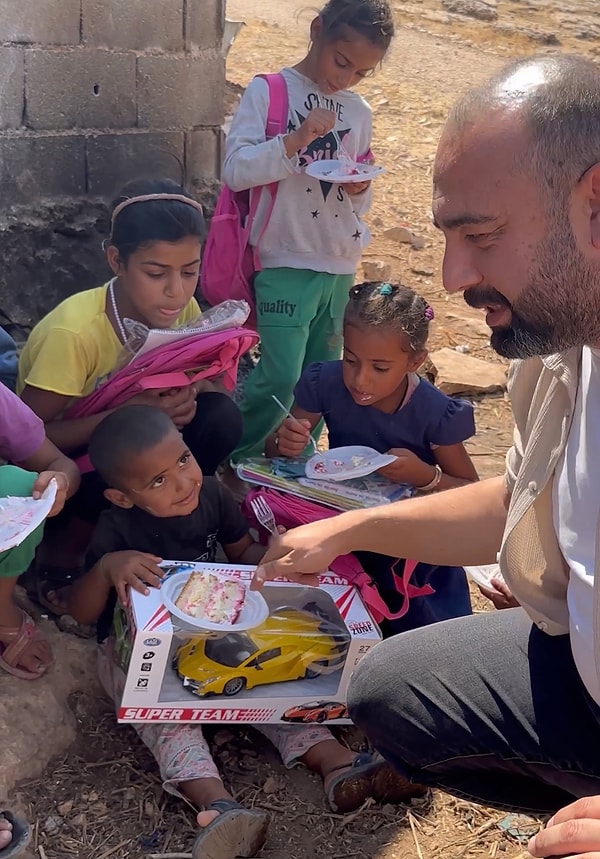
(573, 832)
(300, 554)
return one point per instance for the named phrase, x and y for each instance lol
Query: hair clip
(429, 314)
(385, 289)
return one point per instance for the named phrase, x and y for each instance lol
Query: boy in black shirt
(163, 507)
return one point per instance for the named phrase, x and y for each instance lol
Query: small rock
(423, 272)
(52, 824)
(65, 808)
(482, 10)
(78, 821)
(462, 374)
(272, 785)
(376, 270)
(468, 326)
(221, 738)
(463, 348)
(404, 236)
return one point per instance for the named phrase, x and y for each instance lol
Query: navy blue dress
(426, 419)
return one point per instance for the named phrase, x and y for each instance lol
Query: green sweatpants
(15, 481)
(300, 314)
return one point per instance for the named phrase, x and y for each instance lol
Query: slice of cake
(207, 597)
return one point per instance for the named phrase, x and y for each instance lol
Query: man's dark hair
(120, 436)
(560, 104)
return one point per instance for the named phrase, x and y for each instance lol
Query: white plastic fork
(347, 162)
(264, 514)
(290, 415)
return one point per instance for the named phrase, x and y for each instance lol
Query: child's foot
(229, 830)
(5, 833)
(348, 786)
(24, 652)
(15, 835)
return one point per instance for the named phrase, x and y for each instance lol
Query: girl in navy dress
(374, 397)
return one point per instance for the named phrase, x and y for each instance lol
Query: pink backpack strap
(291, 511)
(277, 119)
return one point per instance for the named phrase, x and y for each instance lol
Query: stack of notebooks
(340, 495)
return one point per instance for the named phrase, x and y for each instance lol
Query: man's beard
(558, 309)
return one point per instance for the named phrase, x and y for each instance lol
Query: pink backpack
(291, 511)
(229, 262)
(175, 365)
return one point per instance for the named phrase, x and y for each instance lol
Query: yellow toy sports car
(290, 644)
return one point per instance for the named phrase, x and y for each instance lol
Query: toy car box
(293, 667)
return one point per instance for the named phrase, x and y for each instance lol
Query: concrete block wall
(94, 93)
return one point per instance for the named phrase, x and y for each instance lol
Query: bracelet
(433, 484)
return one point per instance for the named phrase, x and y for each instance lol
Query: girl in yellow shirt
(154, 253)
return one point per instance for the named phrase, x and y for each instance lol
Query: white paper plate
(19, 517)
(483, 575)
(330, 170)
(253, 613)
(344, 463)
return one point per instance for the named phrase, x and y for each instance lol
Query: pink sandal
(14, 642)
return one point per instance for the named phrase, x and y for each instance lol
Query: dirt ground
(104, 798)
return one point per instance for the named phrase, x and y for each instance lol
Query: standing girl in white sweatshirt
(312, 244)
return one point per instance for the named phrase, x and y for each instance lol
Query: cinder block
(84, 88)
(114, 159)
(204, 25)
(138, 26)
(180, 92)
(12, 84)
(203, 155)
(33, 168)
(40, 21)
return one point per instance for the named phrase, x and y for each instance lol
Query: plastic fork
(264, 514)
(290, 415)
(346, 160)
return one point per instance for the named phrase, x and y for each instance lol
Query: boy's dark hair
(390, 305)
(125, 432)
(153, 220)
(373, 19)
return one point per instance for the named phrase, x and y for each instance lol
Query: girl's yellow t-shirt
(74, 348)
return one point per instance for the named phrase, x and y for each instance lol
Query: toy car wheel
(234, 686)
(314, 670)
(321, 717)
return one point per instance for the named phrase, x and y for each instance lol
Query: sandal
(21, 835)
(237, 831)
(14, 642)
(369, 776)
(40, 583)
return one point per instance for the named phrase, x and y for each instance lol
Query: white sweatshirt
(314, 225)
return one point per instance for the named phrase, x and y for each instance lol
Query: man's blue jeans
(486, 707)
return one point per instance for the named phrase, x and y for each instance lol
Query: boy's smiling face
(164, 480)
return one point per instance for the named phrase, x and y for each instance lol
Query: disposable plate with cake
(332, 170)
(207, 601)
(344, 463)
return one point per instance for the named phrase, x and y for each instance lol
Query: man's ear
(585, 209)
(118, 498)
